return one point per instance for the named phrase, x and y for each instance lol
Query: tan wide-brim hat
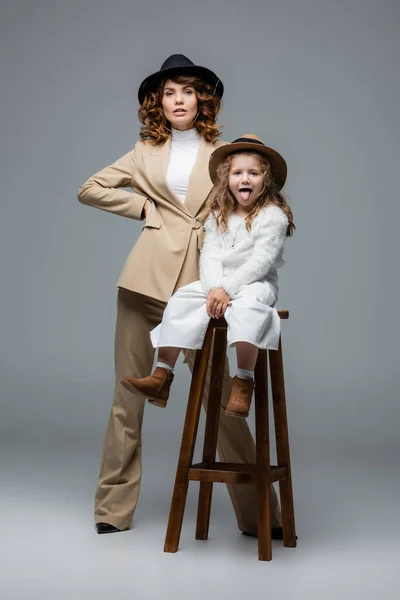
(251, 142)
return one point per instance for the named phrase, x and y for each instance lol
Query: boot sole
(152, 399)
(157, 402)
(237, 415)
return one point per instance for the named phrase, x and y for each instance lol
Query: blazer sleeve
(269, 239)
(102, 190)
(210, 257)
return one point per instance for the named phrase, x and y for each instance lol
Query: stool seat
(209, 471)
(284, 314)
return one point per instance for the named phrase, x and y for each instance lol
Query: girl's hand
(148, 207)
(217, 302)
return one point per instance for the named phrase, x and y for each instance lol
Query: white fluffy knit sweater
(255, 255)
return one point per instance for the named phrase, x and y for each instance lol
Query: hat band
(247, 140)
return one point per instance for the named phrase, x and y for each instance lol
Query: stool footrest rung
(223, 472)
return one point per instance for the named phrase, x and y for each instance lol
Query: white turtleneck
(184, 147)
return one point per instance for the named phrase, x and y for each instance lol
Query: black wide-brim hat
(177, 64)
(251, 142)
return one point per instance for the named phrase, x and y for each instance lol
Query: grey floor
(346, 512)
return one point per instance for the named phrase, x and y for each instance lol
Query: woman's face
(179, 103)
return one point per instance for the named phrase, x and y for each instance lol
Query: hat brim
(150, 83)
(277, 161)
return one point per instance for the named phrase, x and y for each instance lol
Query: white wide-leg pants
(250, 317)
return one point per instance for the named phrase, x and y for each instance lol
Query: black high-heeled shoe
(106, 528)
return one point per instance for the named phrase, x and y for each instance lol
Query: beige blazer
(165, 257)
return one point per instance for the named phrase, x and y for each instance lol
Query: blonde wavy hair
(156, 128)
(221, 200)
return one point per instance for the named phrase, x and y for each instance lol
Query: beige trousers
(120, 471)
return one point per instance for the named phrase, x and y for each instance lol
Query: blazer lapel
(200, 183)
(156, 164)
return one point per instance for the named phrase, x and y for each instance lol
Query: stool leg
(211, 430)
(282, 445)
(187, 445)
(262, 458)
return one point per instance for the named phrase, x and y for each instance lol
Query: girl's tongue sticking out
(245, 193)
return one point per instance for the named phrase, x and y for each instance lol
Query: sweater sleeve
(210, 257)
(269, 239)
(102, 190)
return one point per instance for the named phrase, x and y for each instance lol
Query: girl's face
(179, 103)
(245, 179)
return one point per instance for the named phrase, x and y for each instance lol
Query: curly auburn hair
(156, 127)
(221, 200)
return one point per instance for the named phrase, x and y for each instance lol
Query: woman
(168, 171)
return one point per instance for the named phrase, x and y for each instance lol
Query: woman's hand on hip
(148, 207)
(217, 302)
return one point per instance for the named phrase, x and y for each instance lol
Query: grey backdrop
(319, 81)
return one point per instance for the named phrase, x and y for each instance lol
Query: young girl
(245, 230)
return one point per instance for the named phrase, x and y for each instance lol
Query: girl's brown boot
(155, 387)
(240, 399)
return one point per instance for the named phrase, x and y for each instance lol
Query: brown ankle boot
(155, 387)
(240, 400)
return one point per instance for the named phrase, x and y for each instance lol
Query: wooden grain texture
(211, 430)
(282, 445)
(262, 458)
(232, 473)
(187, 445)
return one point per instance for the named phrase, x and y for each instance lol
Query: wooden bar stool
(209, 471)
